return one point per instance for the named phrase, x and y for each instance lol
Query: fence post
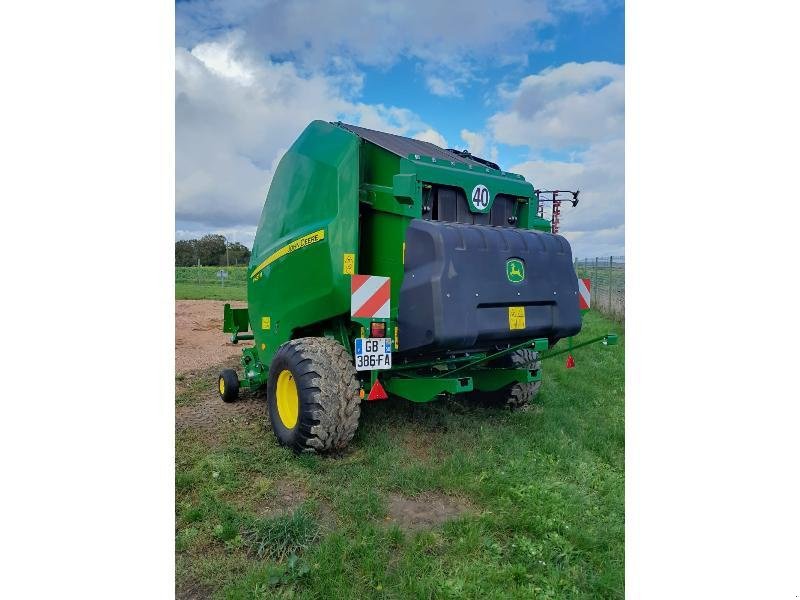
(594, 283)
(610, 275)
(198, 271)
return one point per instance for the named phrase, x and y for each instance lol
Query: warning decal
(584, 293)
(349, 266)
(369, 296)
(516, 317)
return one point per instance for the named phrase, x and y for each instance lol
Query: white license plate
(373, 353)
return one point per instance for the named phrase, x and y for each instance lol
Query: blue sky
(537, 85)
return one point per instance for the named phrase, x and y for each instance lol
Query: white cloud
(596, 226)
(219, 58)
(568, 105)
(439, 87)
(432, 136)
(235, 116)
(476, 143)
(577, 109)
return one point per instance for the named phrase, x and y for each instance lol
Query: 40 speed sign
(373, 353)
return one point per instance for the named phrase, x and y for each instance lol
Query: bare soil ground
(201, 351)
(207, 413)
(199, 341)
(425, 511)
(281, 497)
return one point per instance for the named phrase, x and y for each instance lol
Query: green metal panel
(467, 177)
(296, 276)
(234, 320)
(490, 380)
(425, 389)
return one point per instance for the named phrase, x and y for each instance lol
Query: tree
(238, 254)
(185, 253)
(211, 249)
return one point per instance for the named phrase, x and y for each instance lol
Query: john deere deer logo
(515, 270)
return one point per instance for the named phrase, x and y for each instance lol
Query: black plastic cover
(456, 293)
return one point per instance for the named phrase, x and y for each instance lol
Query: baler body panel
(309, 222)
(456, 292)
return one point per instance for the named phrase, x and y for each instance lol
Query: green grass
(202, 283)
(210, 291)
(281, 536)
(546, 489)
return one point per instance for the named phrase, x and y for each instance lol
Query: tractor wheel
(228, 385)
(312, 395)
(520, 394)
(517, 395)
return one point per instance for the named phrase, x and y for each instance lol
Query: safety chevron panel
(369, 296)
(584, 293)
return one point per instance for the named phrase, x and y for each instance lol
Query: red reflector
(570, 361)
(377, 392)
(377, 329)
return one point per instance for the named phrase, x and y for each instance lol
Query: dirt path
(201, 351)
(199, 341)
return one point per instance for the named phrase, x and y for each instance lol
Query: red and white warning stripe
(584, 293)
(369, 296)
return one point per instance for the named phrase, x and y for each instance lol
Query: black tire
(517, 395)
(521, 394)
(323, 377)
(228, 385)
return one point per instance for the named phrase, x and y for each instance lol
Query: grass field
(199, 283)
(534, 499)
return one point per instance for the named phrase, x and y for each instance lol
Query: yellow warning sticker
(349, 267)
(265, 322)
(516, 317)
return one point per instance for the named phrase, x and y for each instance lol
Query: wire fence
(607, 275)
(221, 276)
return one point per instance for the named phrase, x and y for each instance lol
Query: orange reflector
(570, 361)
(361, 393)
(377, 392)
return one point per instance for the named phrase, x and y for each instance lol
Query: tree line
(210, 250)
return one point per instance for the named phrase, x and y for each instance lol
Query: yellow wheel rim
(286, 396)
(221, 386)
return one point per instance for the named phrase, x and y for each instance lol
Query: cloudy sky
(536, 85)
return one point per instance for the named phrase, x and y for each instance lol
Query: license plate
(373, 353)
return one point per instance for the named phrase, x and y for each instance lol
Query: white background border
(87, 429)
(712, 451)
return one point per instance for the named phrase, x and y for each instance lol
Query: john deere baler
(384, 265)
